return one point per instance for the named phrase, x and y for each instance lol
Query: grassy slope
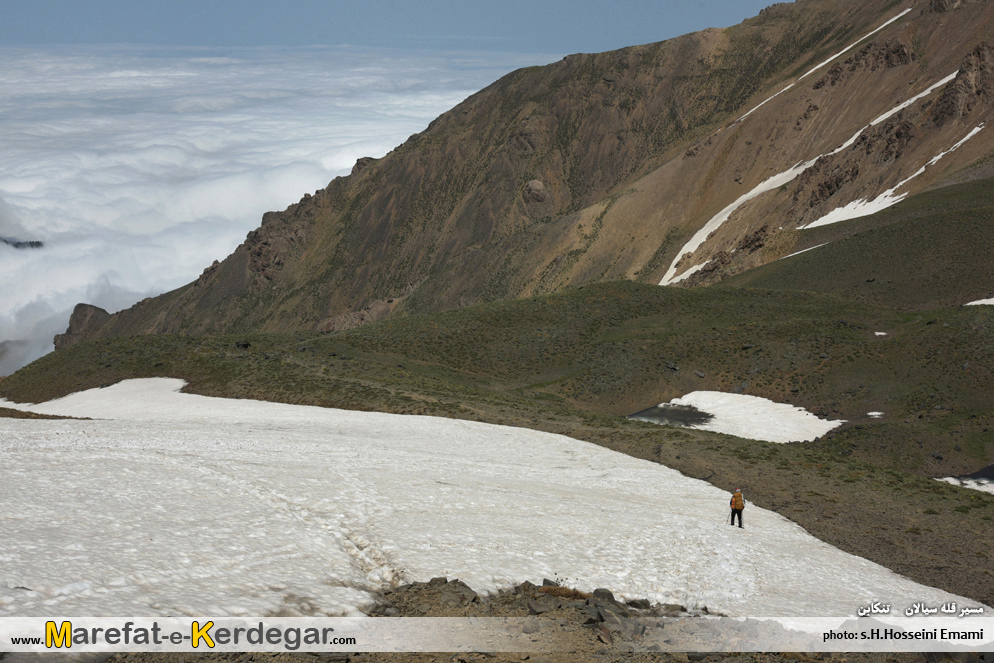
(570, 363)
(930, 250)
(10, 413)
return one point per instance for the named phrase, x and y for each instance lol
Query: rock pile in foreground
(568, 621)
(575, 625)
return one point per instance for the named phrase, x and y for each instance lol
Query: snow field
(975, 484)
(186, 505)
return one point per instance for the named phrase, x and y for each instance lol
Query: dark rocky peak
(85, 319)
(361, 164)
(274, 242)
(17, 244)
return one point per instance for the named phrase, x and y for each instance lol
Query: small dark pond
(985, 474)
(673, 415)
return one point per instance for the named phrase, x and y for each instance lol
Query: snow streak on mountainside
(718, 219)
(984, 485)
(791, 174)
(810, 248)
(853, 45)
(823, 64)
(184, 504)
(859, 208)
(869, 166)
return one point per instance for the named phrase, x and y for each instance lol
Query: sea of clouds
(139, 166)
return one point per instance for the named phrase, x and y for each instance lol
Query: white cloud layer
(138, 167)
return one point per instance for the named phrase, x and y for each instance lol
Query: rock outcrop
(361, 164)
(974, 83)
(942, 6)
(85, 320)
(873, 56)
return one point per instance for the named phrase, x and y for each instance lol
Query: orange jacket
(737, 502)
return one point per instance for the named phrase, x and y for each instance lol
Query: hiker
(737, 504)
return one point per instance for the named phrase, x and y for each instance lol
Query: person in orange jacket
(737, 503)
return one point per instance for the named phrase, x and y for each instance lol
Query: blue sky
(561, 26)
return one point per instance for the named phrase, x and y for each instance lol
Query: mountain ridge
(602, 166)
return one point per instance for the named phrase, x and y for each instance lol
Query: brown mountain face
(605, 166)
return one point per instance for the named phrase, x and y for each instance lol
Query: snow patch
(879, 333)
(857, 209)
(982, 302)
(687, 274)
(974, 484)
(874, 415)
(756, 418)
(188, 505)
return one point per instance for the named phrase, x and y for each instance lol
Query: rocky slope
(615, 166)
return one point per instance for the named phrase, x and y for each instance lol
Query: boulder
(535, 192)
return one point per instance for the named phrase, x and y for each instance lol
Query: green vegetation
(18, 414)
(930, 250)
(601, 351)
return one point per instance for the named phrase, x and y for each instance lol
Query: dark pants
(737, 512)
